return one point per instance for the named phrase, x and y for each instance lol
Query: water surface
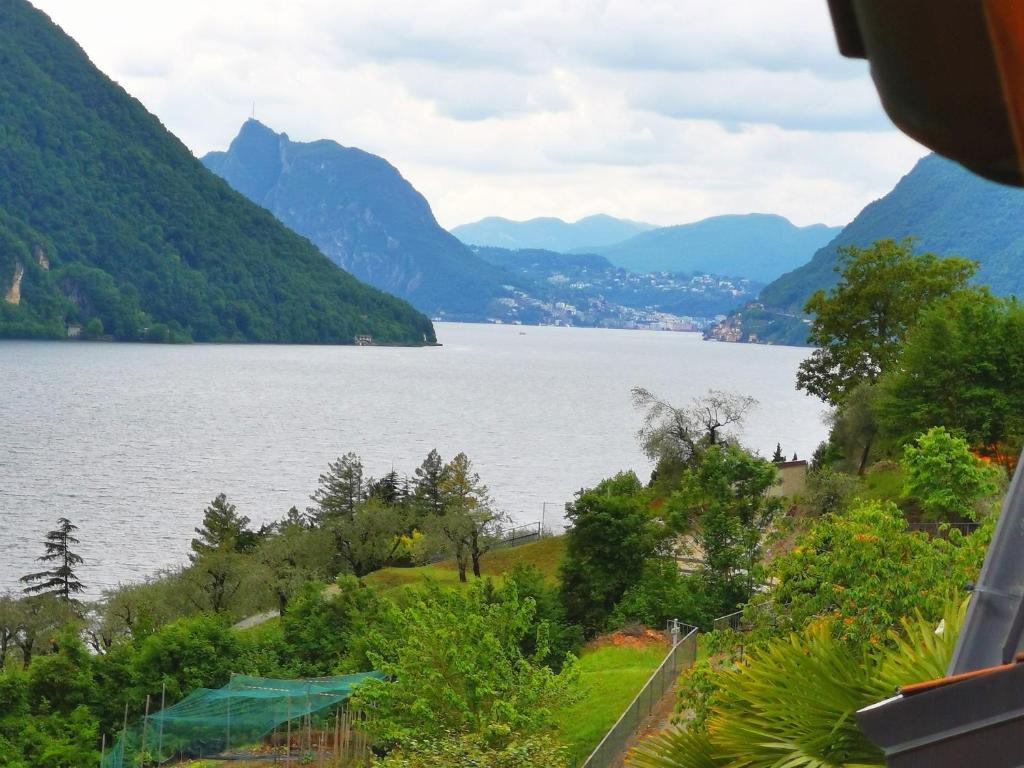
(132, 441)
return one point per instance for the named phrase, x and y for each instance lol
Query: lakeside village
(626, 300)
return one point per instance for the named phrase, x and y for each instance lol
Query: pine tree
(777, 457)
(388, 489)
(427, 493)
(341, 490)
(61, 580)
(223, 529)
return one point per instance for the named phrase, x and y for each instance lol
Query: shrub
(863, 570)
(947, 479)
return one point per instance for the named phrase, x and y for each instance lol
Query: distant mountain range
(756, 246)
(549, 234)
(108, 221)
(365, 217)
(946, 208)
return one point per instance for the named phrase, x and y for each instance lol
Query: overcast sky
(658, 110)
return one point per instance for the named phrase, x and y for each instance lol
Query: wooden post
(124, 733)
(142, 747)
(103, 749)
(160, 736)
(309, 735)
(337, 722)
(288, 738)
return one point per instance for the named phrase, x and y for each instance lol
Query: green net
(209, 721)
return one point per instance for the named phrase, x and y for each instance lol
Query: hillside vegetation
(117, 226)
(947, 209)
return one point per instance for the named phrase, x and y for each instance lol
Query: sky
(665, 111)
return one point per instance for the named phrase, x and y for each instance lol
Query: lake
(132, 441)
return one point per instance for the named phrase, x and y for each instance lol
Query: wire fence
(943, 529)
(613, 746)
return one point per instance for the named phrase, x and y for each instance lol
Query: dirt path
(659, 719)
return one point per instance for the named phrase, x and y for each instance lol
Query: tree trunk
(864, 456)
(476, 563)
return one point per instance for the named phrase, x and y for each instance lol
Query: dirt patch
(632, 637)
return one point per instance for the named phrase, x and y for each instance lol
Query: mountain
(364, 216)
(106, 219)
(948, 209)
(549, 233)
(757, 246)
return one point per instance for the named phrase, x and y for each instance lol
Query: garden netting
(211, 721)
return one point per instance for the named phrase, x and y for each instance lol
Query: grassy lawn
(610, 677)
(545, 554)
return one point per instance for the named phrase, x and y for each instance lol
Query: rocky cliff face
(13, 295)
(364, 216)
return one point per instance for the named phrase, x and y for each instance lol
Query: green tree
(724, 506)
(294, 554)
(196, 652)
(427, 494)
(225, 582)
(456, 667)
(40, 619)
(549, 625)
(342, 488)
(778, 457)
(946, 478)
(613, 533)
(326, 631)
(663, 592)
(962, 368)
(223, 530)
(60, 580)
(859, 325)
(470, 521)
(10, 621)
(94, 328)
(368, 539)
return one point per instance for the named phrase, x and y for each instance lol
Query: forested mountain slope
(105, 217)
(948, 209)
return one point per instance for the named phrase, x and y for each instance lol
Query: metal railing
(615, 742)
(520, 534)
(736, 621)
(943, 529)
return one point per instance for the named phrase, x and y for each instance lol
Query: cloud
(660, 110)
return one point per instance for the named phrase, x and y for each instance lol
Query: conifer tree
(777, 457)
(60, 580)
(427, 492)
(342, 488)
(223, 529)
